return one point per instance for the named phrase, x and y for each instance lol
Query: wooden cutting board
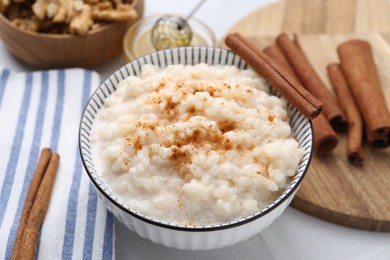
(333, 189)
(317, 16)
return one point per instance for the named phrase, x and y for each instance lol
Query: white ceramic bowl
(170, 234)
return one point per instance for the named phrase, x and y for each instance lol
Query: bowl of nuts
(67, 33)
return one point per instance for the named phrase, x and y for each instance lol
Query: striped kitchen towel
(43, 109)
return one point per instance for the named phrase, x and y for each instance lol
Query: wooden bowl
(46, 51)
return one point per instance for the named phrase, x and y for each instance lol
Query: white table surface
(294, 235)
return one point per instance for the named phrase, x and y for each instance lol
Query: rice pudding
(195, 145)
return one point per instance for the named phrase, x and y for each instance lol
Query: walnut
(66, 16)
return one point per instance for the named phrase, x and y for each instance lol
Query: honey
(143, 45)
(138, 42)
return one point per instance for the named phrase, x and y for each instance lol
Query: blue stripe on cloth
(71, 214)
(108, 237)
(16, 147)
(3, 82)
(92, 198)
(90, 224)
(32, 161)
(58, 110)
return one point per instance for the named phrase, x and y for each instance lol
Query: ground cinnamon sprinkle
(191, 110)
(161, 85)
(198, 138)
(195, 137)
(226, 126)
(179, 156)
(137, 145)
(170, 105)
(212, 91)
(181, 159)
(146, 125)
(134, 142)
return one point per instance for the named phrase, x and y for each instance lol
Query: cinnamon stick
(274, 52)
(38, 210)
(376, 140)
(324, 137)
(359, 68)
(274, 74)
(311, 81)
(355, 152)
(30, 197)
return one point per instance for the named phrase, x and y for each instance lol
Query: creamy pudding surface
(195, 144)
